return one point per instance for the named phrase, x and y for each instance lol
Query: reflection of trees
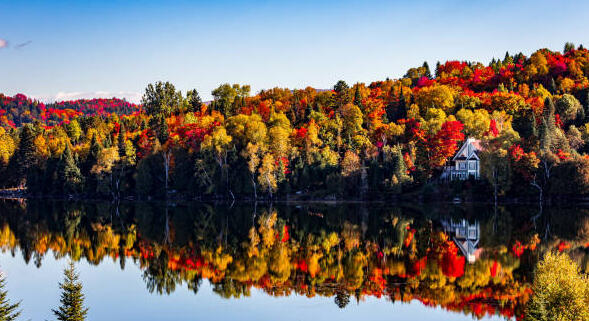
(342, 298)
(336, 252)
(158, 277)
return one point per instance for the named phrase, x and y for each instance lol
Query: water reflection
(473, 260)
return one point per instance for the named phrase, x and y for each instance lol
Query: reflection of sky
(115, 294)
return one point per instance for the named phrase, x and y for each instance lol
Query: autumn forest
(386, 140)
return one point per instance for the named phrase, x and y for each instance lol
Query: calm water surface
(222, 262)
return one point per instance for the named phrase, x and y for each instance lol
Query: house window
(472, 165)
(462, 166)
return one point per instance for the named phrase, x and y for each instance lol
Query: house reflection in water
(466, 236)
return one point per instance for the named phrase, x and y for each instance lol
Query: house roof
(465, 152)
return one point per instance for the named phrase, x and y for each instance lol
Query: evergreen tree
(8, 311)
(402, 108)
(160, 126)
(547, 127)
(342, 93)
(193, 100)
(358, 97)
(508, 59)
(427, 72)
(121, 141)
(437, 69)
(69, 173)
(25, 156)
(568, 47)
(72, 298)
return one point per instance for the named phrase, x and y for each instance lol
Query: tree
(568, 108)
(226, 97)
(444, 143)
(72, 298)
(427, 72)
(69, 174)
(495, 165)
(561, 292)
(25, 156)
(74, 130)
(218, 143)
(439, 96)
(267, 174)
(7, 147)
(8, 311)
(342, 93)
(159, 124)
(568, 47)
(161, 98)
(193, 101)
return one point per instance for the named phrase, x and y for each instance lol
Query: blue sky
(70, 49)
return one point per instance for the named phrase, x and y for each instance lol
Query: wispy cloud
(3, 43)
(20, 45)
(131, 96)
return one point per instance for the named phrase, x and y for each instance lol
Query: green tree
(342, 93)
(25, 156)
(569, 108)
(226, 98)
(161, 98)
(193, 100)
(8, 311)
(427, 73)
(74, 130)
(561, 292)
(72, 298)
(69, 173)
(568, 47)
(159, 124)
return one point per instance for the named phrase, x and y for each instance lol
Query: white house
(466, 236)
(465, 163)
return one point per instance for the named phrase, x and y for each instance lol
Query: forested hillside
(361, 141)
(20, 109)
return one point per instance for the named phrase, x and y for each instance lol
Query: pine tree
(358, 97)
(547, 126)
(160, 126)
(72, 298)
(69, 173)
(95, 149)
(427, 72)
(8, 311)
(121, 141)
(25, 156)
(193, 100)
(402, 108)
(569, 46)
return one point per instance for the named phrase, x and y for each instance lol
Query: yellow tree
(439, 96)
(7, 147)
(267, 174)
(219, 144)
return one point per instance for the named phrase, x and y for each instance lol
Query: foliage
(8, 311)
(309, 141)
(72, 298)
(560, 291)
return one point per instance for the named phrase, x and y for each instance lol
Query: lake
(176, 261)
